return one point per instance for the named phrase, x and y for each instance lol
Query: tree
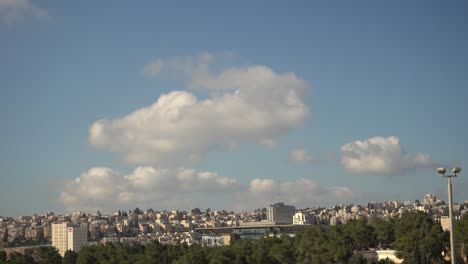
(339, 246)
(361, 234)
(242, 250)
(311, 245)
(5, 236)
(221, 255)
(49, 255)
(137, 211)
(282, 250)
(70, 257)
(175, 252)
(87, 255)
(17, 258)
(3, 256)
(196, 211)
(384, 232)
(418, 239)
(358, 259)
(179, 215)
(461, 236)
(385, 261)
(445, 211)
(261, 250)
(195, 254)
(156, 251)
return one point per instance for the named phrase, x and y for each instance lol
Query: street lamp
(455, 171)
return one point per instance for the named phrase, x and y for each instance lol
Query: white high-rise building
(68, 236)
(431, 199)
(301, 218)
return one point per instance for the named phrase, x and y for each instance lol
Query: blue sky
(389, 74)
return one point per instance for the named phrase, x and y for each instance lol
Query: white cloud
(154, 68)
(12, 11)
(379, 155)
(103, 188)
(300, 155)
(250, 104)
(187, 65)
(300, 193)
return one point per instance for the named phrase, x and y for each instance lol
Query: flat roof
(282, 228)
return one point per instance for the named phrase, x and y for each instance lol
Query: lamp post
(455, 171)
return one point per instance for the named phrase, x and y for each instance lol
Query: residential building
(301, 218)
(445, 223)
(431, 199)
(388, 254)
(68, 236)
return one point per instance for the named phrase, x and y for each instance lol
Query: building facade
(68, 236)
(431, 199)
(301, 218)
(280, 213)
(445, 223)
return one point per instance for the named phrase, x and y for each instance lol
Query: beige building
(390, 254)
(445, 223)
(68, 236)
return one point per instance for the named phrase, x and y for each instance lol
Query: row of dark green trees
(416, 237)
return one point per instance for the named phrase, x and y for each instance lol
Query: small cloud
(154, 68)
(186, 65)
(12, 11)
(379, 155)
(300, 155)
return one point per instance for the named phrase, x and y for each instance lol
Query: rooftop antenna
(279, 191)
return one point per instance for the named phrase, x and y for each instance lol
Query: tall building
(301, 218)
(431, 199)
(68, 236)
(280, 213)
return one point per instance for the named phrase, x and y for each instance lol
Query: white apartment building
(68, 236)
(301, 218)
(431, 199)
(390, 254)
(280, 213)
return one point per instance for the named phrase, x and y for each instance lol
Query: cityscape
(205, 227)
(256, 132)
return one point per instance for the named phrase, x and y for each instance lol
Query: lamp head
(441, 170)
(456, 170)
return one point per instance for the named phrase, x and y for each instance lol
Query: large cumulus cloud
(246, 104)
(379, 155)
